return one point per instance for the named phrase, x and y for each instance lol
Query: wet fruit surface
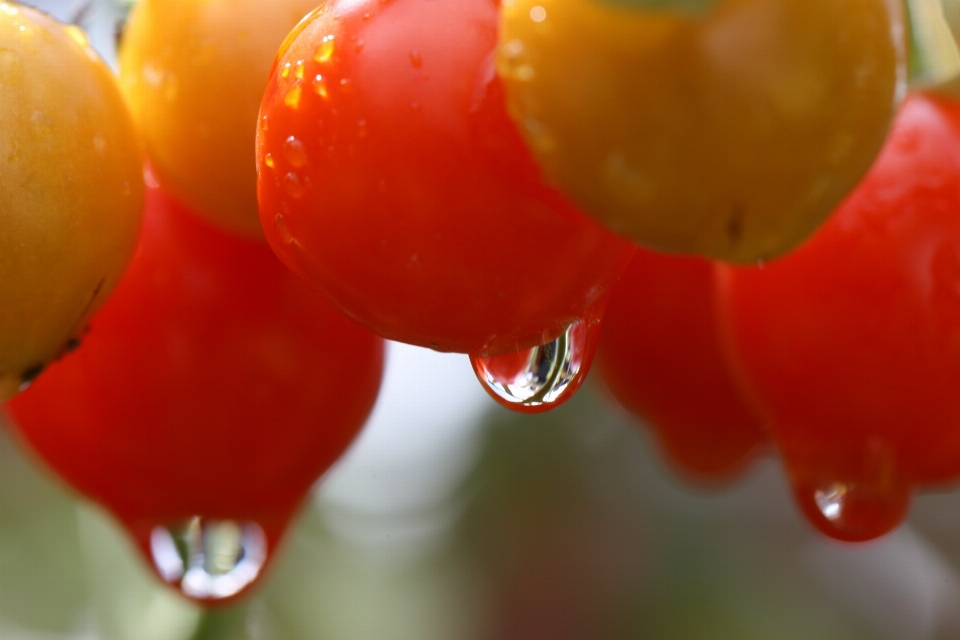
(851, 346)
(211, 392)
(729, 129)
(393, 182)
(71, 190)
(193, 74)
(660, 355)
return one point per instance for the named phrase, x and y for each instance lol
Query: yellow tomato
(727, 128)
(194, 72)
(71, 189)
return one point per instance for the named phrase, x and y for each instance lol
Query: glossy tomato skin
(193, 74)
(393, 182)
(71, 191)
(851, 345)
(660, 355)
(213, 384)
(724, 128)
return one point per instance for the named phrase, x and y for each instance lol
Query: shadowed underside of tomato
(660, 354)
(726, 128)
(851, 346)
(71, 190)
(213, 384)
(393, 182)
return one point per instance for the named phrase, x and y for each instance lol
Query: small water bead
(300, 70)
(294, 152)
(40, 124)
(324, 52)
(320, 87)
(209, 559)
(541, 378)
(853, 510)
(291, 184)
(282, 229)
(292, 98)
(285, 70)
(416, 59)
(268, 160)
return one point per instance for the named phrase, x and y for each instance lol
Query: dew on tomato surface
(324, 51)
(543, 377)
(209, 559)
(268, 160)
(282, 229)
(291, 184)
(416, 60)
(320, 87)
(294, 152)
(292, 98)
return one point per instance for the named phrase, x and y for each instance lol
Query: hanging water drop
(209, 559)
(543, 377)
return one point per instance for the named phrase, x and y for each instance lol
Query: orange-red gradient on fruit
(193, 73)
(71, 190)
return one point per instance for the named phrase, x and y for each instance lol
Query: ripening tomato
(851, 346)
(211, 392)
(392, 180)
(193, 74)
(71, 191)
(726, 128)
(660, 355)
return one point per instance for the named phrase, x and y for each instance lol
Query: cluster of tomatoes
(474, 178)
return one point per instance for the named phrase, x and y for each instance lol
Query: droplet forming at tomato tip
(208, 560)
(543, 377)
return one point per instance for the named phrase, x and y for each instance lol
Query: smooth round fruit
(193, 73)
(726, 128)
(71, 190)
(393, 181)
(213, 384)
(661, 356)
(850, 347)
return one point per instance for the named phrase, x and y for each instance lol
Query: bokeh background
(453, 519)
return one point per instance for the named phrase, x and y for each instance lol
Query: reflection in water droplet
(359, 46)
(362, 128)
(541, 378)
(830, 501)
(292, 99)
(324, 52)
(298, 74)
(268, 160)
(209, 559)
(285, 70)
(294, 152)
(292, 185)
(416, 59)
(11, 67)
(282, 230)
(320, 87)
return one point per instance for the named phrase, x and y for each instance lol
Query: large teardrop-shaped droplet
(209, 560)
(543, 377)
(852, 498)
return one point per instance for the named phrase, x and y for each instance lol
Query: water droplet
(209, 559)
(541, 378)
(344, 84)
(366, 16)
(11, 67)
(285, 70)
(850, 496)
(416, 59)
(40, 125)
(362, 129)
(291, 183)
(298, 74)
(264, 123)
(8, 9)
(292, 99)
(77, 35)
(415, 106)
(294, 152)
(268, 160)
(324, 52)
(359, 46)
(320, 87)
(282, 229)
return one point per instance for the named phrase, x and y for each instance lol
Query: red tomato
(212, 384)
(851, 345)
(660, 354)
(393, 182)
